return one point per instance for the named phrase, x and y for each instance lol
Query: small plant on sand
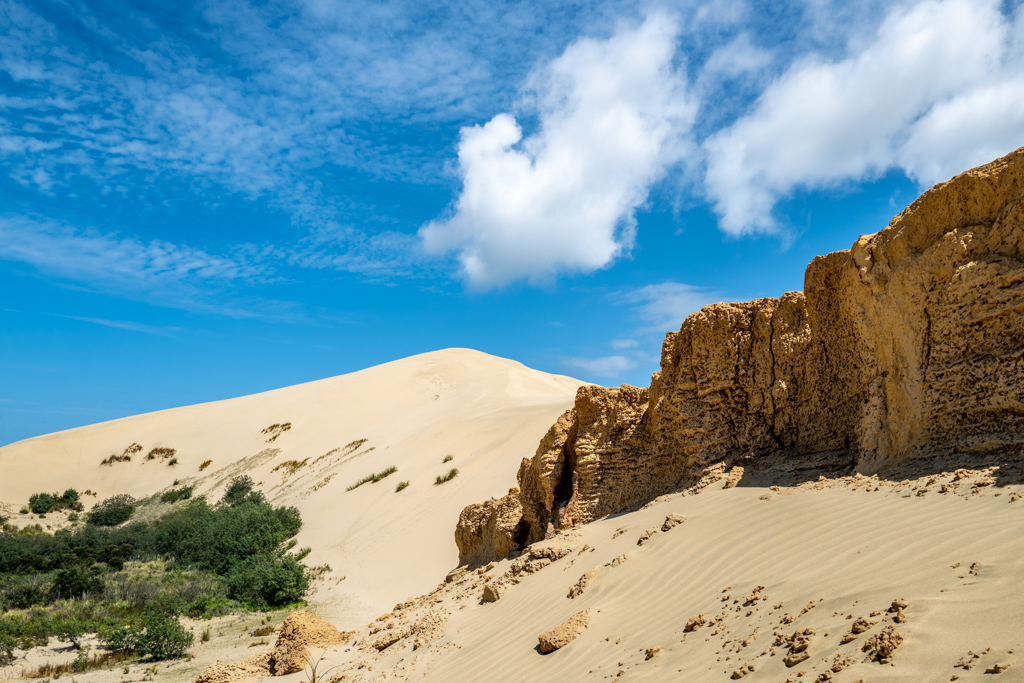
(315, 672)
(452, 473)
(448, 458)
(206, 463)
(161, 452)
(275, 430)
(401, 485)
(373, 478)
(205, 635)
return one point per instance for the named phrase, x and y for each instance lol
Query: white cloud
(605, 366)
(622, 344)
(613, 116)
(938, 89)
(664, 306)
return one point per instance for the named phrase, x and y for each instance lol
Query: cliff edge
(908, 346)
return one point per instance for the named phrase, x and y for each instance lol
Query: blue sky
(208, 201)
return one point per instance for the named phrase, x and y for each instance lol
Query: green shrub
(112, 511)
(240, 490)
(172, 462)
(452, 473)
(269, 582)
(7, 645)
(401, 485)
(174, 495)
(448, 458)
(70, 630)
(41, 503)
(75, 581)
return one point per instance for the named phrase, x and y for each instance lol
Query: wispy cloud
(614, 115)
(156, 271)
(662, 307)
(610, 367)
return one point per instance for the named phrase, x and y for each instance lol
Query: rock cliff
(909, 345)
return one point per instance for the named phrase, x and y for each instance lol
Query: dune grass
(401, 485)
(373, 478)
(452, 473)
(448, 458)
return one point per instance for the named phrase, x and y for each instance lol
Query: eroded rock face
(908, 345)
(490, 530)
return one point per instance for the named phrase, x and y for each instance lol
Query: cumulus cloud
(613, 116)
(939, 88)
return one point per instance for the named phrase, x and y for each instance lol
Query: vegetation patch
(161, 452)
(373, 478)
(174, 495)
(401, 485)
(130, 583)
(126, 456)
(290, 467)
(275, 430)
(448, 458)
(206, 463)
(442, 478)
(41, 503)
(112, 511)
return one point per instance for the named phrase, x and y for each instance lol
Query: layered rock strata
(908, 345)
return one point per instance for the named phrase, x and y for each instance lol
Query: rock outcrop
(909, 345)
(301, 631)
(490, 530)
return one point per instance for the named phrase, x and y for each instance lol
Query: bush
(240, 490)
(41, 503)
(70, 630)
(113, 511)
(401, 485)
(174, 495)
(448, 458)
(75, 581)
(7, 645)
(269, 582)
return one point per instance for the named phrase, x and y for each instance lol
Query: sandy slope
(956, 558)
(487, 412)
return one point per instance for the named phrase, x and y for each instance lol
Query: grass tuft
(373, 478)
(448, 458)
(452, 473)
(401, 485)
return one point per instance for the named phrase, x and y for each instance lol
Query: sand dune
(823, 555)
(486, 412)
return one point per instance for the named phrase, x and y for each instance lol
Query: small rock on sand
(564, 633)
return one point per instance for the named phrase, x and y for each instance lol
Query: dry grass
(80, 665)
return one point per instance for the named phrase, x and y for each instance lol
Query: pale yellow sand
(487, 412)
(851, 552)
(957, 557)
